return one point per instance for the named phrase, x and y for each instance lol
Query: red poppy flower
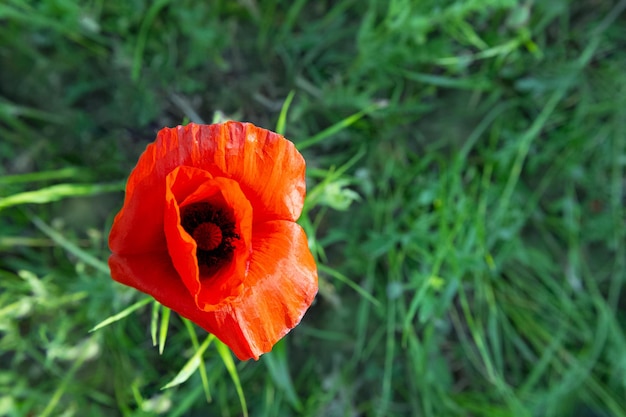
(208, 229)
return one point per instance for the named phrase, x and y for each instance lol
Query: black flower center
(213, 229)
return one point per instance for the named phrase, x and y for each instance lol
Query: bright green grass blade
(121, 314)
(203, 376)
(58, 192)
(227, 359)
(60, 240)
(282, 117)
(154, 321)
(12, 241)
(332, 174)
(219, 117)
(56, 174)
(165, 322)
(356, 287)
(339, 126)
(278, 366)
(137, 394)
(192, 364)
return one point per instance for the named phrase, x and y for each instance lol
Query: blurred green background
(466, 202)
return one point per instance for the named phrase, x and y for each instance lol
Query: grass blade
(58, 192)
(60, 240)
(202, 368)
(154, 321)
(165, 322)
(339, 126)
(282, 117)
(356, 287)
(127, 311)
(227, 359)
(192, 364)
(56, 174)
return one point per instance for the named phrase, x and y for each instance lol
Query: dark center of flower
(213, 229)
(208, 236)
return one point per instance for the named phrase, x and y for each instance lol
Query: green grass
(466, 166)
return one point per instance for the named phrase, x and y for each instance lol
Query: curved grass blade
(58, 192)
(282, 117)
(227, 359)
(192, 364)
(154, 321)
(60, 240)
(339, 126)
(202, 368)
(165, 322)
(56, 174)
(356, 287)
(121, 314)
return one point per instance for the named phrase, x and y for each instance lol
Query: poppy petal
(152, 274)
(280, 286)
(268, 168)
(186, 186)
(138, 227)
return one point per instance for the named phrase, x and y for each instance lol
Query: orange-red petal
(188, 185)
(268, 168)
(280, 286)
(152, 274)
